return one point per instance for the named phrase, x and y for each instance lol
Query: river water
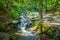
(27, 34)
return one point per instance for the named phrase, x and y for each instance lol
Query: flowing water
(28, 35)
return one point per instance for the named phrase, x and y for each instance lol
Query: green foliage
(4, 36)
(17, 6)
(2, 26)
(51, 32)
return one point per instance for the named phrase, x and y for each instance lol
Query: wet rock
(15, 21)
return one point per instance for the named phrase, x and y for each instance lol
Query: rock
(15, 21)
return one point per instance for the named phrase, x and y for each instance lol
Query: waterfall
(28, 35)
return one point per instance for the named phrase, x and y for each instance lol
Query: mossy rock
(2, 26)
(17, 37)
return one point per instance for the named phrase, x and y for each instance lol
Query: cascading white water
(26, 33)
(24, 22)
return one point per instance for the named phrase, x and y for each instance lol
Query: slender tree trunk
(41, 17)
(41, 21)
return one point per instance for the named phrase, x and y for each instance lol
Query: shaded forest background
(11, 9)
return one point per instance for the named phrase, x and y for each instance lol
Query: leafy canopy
(15, 7)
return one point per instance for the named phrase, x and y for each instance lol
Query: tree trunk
(41, 17)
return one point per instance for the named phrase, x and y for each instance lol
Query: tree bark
(41, 17)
